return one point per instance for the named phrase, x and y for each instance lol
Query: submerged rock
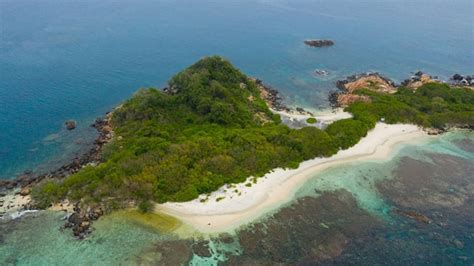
(321, 72)
(201, 248)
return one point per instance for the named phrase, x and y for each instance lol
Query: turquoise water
(64, 60)
(341, 211)
(361, 179)
(37, 240)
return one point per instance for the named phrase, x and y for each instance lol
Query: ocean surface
(64, 59)
(350, 214)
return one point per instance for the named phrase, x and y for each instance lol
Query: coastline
(235, 204)
(226, 210)
(15, 198)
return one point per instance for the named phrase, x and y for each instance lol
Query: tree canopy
(211, 128)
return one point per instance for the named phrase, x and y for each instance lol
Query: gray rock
(70, 124)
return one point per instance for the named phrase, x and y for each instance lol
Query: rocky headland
(372, 81)
(376, 82)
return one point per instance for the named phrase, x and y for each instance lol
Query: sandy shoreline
(230, 207)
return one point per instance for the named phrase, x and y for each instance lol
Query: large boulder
(25, 191)
(75, 218)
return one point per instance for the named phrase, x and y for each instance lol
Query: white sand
(279, 186)
(326, 117)
(331, 115)
(12, 205)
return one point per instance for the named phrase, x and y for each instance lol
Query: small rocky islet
(319, 43)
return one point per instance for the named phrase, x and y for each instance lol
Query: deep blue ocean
(64, 60)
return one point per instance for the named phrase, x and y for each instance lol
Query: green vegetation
(145, 206)
(311, 120)
(214, 129)
(432, 105)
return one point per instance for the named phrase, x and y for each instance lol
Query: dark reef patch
(311, 230)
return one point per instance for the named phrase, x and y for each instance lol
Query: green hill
(211, 128)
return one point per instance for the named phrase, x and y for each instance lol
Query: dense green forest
(212, 128)
(432, 105)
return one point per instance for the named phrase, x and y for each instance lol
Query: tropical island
(211, 128)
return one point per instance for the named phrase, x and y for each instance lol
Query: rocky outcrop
(460, 80)
(372, 81)
(80, 221)
(319, 43)
(270, 96)
(417, 80)
(274, 100)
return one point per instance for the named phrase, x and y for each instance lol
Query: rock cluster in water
(319, 43)
(81, 220)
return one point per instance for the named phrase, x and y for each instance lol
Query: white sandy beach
(295, 119)
(241, 204)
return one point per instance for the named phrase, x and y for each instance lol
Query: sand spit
(235, 205)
